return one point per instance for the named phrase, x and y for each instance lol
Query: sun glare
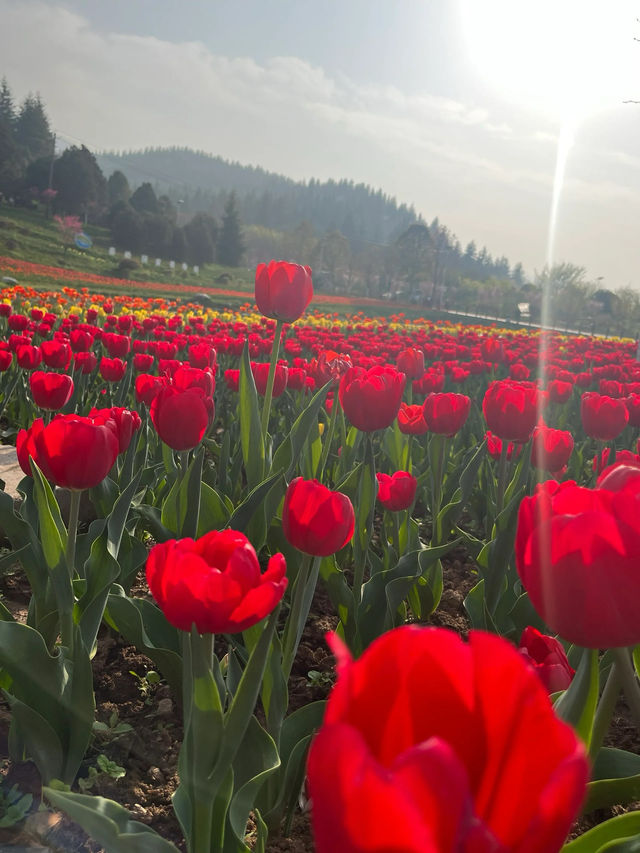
(560, 57)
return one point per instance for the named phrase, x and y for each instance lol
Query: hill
(201, 182)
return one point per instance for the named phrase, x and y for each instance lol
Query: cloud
(484, 169)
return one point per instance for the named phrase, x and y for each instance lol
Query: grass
(28, 235)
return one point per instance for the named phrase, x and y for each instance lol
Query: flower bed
(237, 479)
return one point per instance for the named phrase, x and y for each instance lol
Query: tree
(32, 131)
(144, 199)
(201, 233)
(231, 246)
(127, 229)
(416, 254)
(7, 108)
(79, 181)
(118, 188)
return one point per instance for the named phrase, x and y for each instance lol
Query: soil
(148, 750)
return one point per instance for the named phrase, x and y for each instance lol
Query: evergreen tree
(80, 184)
(201, 233)
(127, 229)
(117, 188)
(231, 244)
(144, 199)
(7, 108)
(32, 131)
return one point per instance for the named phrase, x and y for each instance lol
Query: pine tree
(231, 245)
(32, 130)
(7, 108)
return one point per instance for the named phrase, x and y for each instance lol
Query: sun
(559, 57)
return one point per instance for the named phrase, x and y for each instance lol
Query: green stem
(438, 475)
(363, 543)
(328, 438)
(72, 531)
(502, 476)
(604, 711)
(396, 533)
(268, 394)
(630, 685)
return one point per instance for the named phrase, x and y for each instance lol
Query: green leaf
(41, 741)
(118, 517)
(53, 534)
(151, 517)
(256, 760)
(109, 824)
(609, 836)
(142, 623)
(100, 571)
(181, 507)
(243, 514)
(251, 438)
(615, 779)
(214, 514)
(286, 456)
(577, 705)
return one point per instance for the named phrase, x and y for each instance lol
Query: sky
(454, 106)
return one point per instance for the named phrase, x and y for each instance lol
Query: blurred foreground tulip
(463, 751)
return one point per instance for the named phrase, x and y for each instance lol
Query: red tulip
(6, 358)
(315, 519)
(50, 391)
(261, 374)
(494, 446)
(194, 377)
(577, 554)
(147, 386)
(73, 452)
(283, 290)
(411, 420)
(116, 345)
(214, 582)
(549, 659)
(445, 414)
(202, 356)
(56, 354)
(371, 398)
(232, 379)
(551, 448)
(396, 491)
(463, 751)
(511, 409)
(112, 369)
(603, 417)
(181, 418)
(143, 362)
(330, 365)
(411, 362)
(28, 357)
(559, 391)
(601, 460)
(85, 362)
(126, 422)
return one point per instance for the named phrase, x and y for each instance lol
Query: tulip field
(238, 538)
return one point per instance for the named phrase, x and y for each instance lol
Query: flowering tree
(68, 228)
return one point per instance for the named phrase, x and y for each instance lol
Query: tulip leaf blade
(256, 760)
(286, 456)
(214, 514)
(615, 779)
(577, 705)
(109, 823)
(617, 834)
(181, 507)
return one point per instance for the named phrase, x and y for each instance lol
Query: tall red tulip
(214, 582)
(316, 520)
(411, 362)
(411, 420)
(283, 290)
(371, 398)
(462, 751)
(551, 448)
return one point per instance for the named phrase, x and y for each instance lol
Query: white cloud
(485, 171)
